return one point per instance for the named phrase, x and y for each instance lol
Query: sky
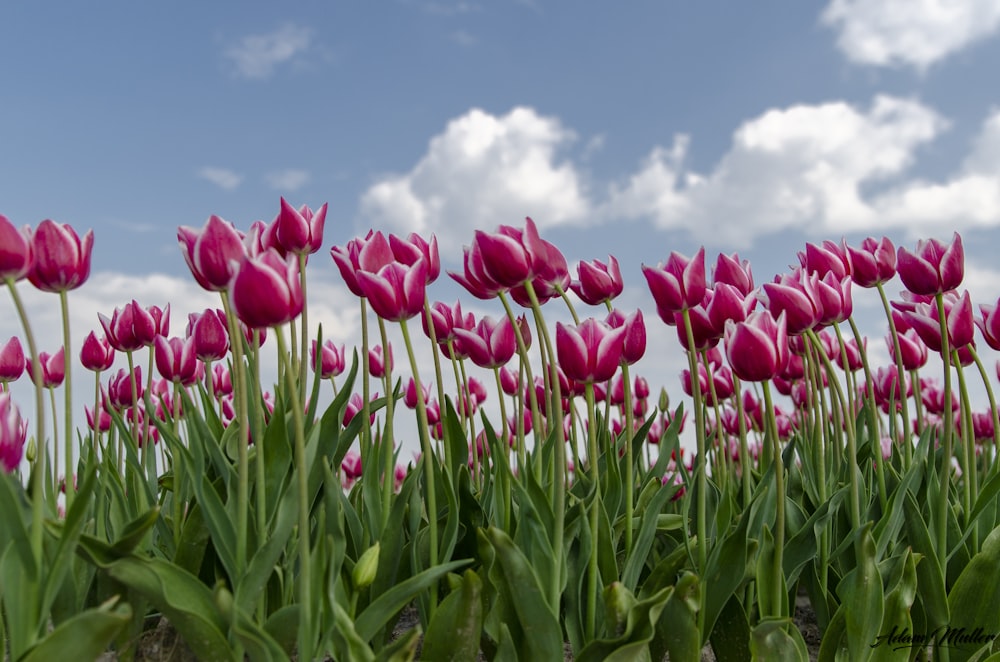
(633, 129)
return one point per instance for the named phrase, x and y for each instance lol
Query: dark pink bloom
(13, 431)
(370, 253)
(757, 348)
(490, 344)
(886, 383)
(590, 352)
(16, 255)
(331, 359)
(212, 253)
(678, 285)
(176, 360)
(911, 348)
(351, 465)
(833, 298)
(62, 260)
(131, 327)
(120, 388)
(355, 406)
(11, 360)
(53, 368)
(209, 334)
(873, 263)
(103, 419)
(413, 248)
(222, 380)
(397, 291)
(729, 269)
(300, 230)
(705, 334)
(266, 290)
(445, 320)
(598, 281)
(933, 268)
(793, 295)
(475, 278)
(377, 363)
(634, 338)
(550, 275)
(826, 259)
(989, 324)
(410, 396)
(511, 385)
(97, 354)
(959, 321)
(854, 362)
(932, 396)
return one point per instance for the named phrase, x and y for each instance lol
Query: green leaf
(731, 635)
(456, 628)
(643, 542)
(860, 592)
(930, 576)
(896, 615)
(726, 571)
(85, 636)
(256, 641)
(678, 625)
(777, 640)
(974, 601)
(638, 629)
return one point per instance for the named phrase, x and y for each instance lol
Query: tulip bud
(618, 603)
(16, 258)
(11, 360)
(13, 431)
(366, 568)
(663, 404)
(933, 268)
(62, 260)
(97, 354)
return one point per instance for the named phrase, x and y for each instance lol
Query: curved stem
(593, 460)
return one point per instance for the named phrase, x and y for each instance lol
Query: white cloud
(290, 180)
(914, 33)
(482, 171)
(256, 56)
(222, 177)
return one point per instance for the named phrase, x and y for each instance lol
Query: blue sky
(627, 128)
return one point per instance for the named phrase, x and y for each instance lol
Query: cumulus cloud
(222, 177)
(914, 33)
(290, 180)
(257, 56)
(483, 170)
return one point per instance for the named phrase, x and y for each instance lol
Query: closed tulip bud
(16, 257)
(475, 278)
(509, 381)
(590, 352)
(618, 603)
(757, 348)
(491, 344)
(209, 336)
(729, 269)
(826, 259)
(989, 325)
(833, 298)
(678, 285)
(13, 431)
(366, 568)
(175, 359)
(634, 336)
(300, 230)
(873, 263)
(369, 253)
(911, 348)
(61, 259)
(410, 396)
(377, 363)
(53, 368)
(933, 268)
(103, 419)
(120, 388)
(598, 281)
(11, 360)
(213, 253)
(266, 290)
(222, 381)
(793, 295)
(331, 359)
(397, 291)
(132, 327)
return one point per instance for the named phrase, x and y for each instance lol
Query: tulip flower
(97, 354)
(550, 276)
(959, 321)
(590, 352)
(176, 360)
(370, 253)
(103, 419)
(410, 396)
(11, 360)
(397, 291)
(16, 255)
(833, 297)
(300, 231)
(53, 368)
(377, 363)
(793, 295)
(729, 269)
(854, 362)
(757, 348)
(13, 431)
(61, 259)
(131, 327)
(911, 348)
(475, 279)
(209, 334)
(415, 247)
(989, 325)
(445, 319)
(634, 338)
(825, 259)
(331, 359)
(222, 380)
(934, 268)
(873, 263)
(932, 396)
(355, 406)
(491, 344)
(678, 285)
(266, 290)
(213, 253)
(508, 255)
(598, 282)
(120, 388)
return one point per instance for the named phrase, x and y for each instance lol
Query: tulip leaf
(974, 600)
(861, 594)
(259, 645)
(777, 640)
(731, 635)
(726, 571)
(15, 518)
(84, 636)
(636, 560)
(677, 627)
(930, 575)
(637, 630)
(898, 602)
(456, 628)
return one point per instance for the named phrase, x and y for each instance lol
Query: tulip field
(565, 520)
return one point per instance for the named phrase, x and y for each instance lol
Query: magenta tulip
(176, 360)
(873, 263)
(934, 268)
(130, 328)
(911, 348)
(13, 431)
(222, 380)
(266, 290)
(793, 295)
(103, 419)
(832, 297)
(958, 319)
(825, 259)
(209, 335)
(370, 253)
(212, 253)
(634, 337)
(410, 396)
(490, 344)
(120, 388)
(379, 361)
(729, 269)
(331, 359)
(53, 368)
(62, 260)
(415, 247)
(16, 256)
(397, 291)
(590, 352)
(11, 360)
(97, 354)
(300, 230)
(598, 281)
(757, 348)
(678, 285)
(445, 320)
(989, 324)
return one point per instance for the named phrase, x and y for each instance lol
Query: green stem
(259, 488)
(987, 452)
(243, 430)
(700, 471)
(777, 571)
(388, 440)
(593, 462)
(436, 353)
(68, 357)
(946, 427)
(873, 420)
(900, 371)
(305, 328)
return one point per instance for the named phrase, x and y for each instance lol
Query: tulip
(886, 386)
(826, 259)
(511, 386)
(331, 361)
(730, 270)
(793, 295)
(590, 352)
(53, 368)
(213, 253)
(932, 396)
(989, 325)
(873, 263)
(415, 247)
(61, 260)
(397, 291)
(369, 254)
(262, 236)
(598, 281)
(376, 361)
(16, 255)
(728, 303)
(410, 396)
(97, 354)
(209, 334)
(757, 348)
(120, 388)
(13, 431)
(678, 285)
(634, 338)
(933, 268)
(266, 290)
(11, 360)
(176, 360)
(507, 258)
(300, 231)
(911, 348)
(959, 321)
(131, 327)
(355, 406)
(491, 344)
(703, 331)
(854, 362)
(833, 297)
(550, 276)
(222, 381)
(475, 279)
(445, 319)
(103, 419)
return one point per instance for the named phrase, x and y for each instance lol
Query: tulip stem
(873, 420)
(593, 460)
(700, 476)
(388, 439)
(969, 483)
(994, 416)
(260, 487)
(778, 575)
(947, 425)
(522, 352)
(427, 456)
(242, 431)
(435, 352)
(68, 368)
(900, 372)
(305, 327)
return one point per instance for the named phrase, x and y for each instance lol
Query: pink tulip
(377, 363)
(911, 348)
(262, 236)
(634, 337)
(833, 298)
(793, 295)
(590, 352)
(415, 247)
(507, 258)
(475, 278)
(934, 268)
(13, 431)
(176, 360)
(62, 261)
(132, 327)
(12, 360)
(370, 253)
(886, 387)
(825, 259)
(103, 419)
(209, 335)
(550, 276)
(445, 320)
(511, 386)
(958, 317)
(490, 344)
(989, 325)
(873, 263)
(120, 388)
(397, 291)
(53, 368)
(598, 281)
(266, 290)
(410, 396)
(729, 269)
(678, 285)
(355, 406)
(854, 362)
(300, 231)
(704, 333)
(16, 256)
(331, 359)
(97, 354)
(757, 348)
(213, 253)
(222, 380)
